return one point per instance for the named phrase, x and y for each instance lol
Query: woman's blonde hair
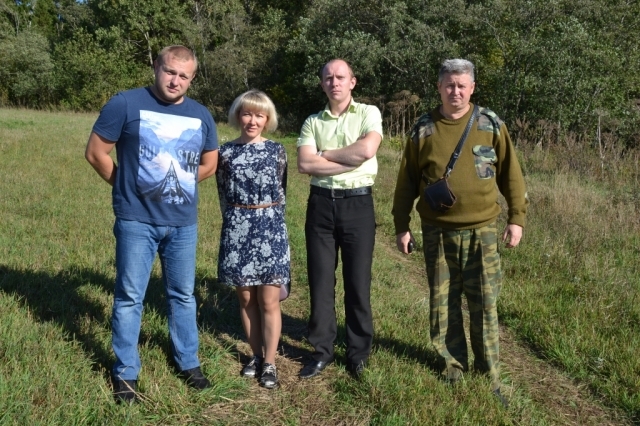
(254, 100)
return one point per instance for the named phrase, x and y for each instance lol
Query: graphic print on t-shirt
(169, 156)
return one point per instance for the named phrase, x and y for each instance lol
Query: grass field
(570, 304)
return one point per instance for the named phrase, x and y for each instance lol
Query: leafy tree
(149, 25)
(26, 70)
(44, 18)
(237, 51)
(90, 69)
(73, 16)
(566, 62)
(220, 27)
(393, 46)
(15, 14)
(547, 60)
(555, 60)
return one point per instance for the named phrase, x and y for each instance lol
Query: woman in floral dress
(254, 247)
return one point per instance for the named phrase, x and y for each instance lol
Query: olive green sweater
(487, 162)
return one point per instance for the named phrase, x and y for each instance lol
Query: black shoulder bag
(438, 194)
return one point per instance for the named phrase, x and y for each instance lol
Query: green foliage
(545, 60)
(393, 46)
(15, 15)
(74, 16)
(566, 62)
(91, 69)
(235, 54)
(149, 25)
(45, 18)
(26, 70)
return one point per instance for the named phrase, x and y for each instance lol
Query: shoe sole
(307, 377)
(316, 373)
(269, 386)
(310, 376)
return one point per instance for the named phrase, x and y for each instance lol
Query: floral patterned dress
(254, 245)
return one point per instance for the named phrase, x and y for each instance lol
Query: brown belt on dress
(256, 206)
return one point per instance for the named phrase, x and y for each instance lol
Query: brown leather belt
(341, 193)
(257, 206)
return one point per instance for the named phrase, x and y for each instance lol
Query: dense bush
(27, 70)
(568, 63)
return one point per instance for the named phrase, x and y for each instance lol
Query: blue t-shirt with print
(158, 148)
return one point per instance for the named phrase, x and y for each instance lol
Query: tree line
(570, 65)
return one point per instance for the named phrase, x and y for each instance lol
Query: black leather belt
(341, 193)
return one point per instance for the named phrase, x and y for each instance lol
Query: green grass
(570, 293)
(576, 286)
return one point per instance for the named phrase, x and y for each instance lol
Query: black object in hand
(410, 247)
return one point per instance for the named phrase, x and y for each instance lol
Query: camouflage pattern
(485, 157)
(464, 262)
(489, 121)
(424, 127)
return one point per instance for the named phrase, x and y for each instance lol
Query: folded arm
(312, 164)
(363, 149)
(97, 154)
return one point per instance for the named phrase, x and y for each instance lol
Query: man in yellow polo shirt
(337, 147)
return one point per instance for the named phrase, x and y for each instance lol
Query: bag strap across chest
(463, 138)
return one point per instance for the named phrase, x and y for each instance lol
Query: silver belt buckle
(334, 195)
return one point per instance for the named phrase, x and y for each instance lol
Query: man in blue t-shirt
(165, 144)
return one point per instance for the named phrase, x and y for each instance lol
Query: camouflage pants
(465, 261)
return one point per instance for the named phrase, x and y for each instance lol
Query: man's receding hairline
(351, 74)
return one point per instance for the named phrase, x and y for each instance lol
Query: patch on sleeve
(489, 121)
(424, 127)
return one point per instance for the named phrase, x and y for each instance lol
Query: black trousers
(345, 225)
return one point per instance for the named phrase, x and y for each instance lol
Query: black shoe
(124, 391)
(502, 399)
(252, 368)
(313, 369)
(356, 369)
(194, 378)
(269, 377)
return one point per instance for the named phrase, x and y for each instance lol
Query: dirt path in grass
(567, 401)
(570, 401)
(313, 402)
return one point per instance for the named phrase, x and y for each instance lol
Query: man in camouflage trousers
(461, 244)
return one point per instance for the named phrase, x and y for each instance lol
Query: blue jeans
(136, 246)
